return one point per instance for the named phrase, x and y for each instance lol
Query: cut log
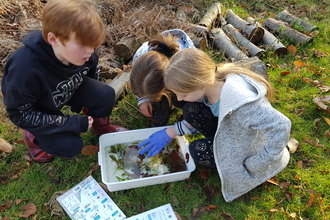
(254, 64)
(254, 33)
(199, 30)
(213, 12)
(223, 42)
(200, 42)
(282, 29)
(127, 47)
(273, 43)
(293, 20)
(119, 83)
(233, 33)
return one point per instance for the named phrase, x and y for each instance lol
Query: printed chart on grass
(164, 212)
(88, 201)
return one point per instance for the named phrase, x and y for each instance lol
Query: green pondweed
(134, 165)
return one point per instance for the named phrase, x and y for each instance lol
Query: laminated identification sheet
(164, 212)
(88, 201)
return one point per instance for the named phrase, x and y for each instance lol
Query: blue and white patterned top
(183, 40)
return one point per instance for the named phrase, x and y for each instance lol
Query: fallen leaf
(284, 185)
(211, 207)
(104, 187)
(299, 63)
(311, 200)
(5, 146)
(273, 210)
(293, 145)
(203, 173)
(19, 141)
(322, 101)
(189, 10)
(285, 73)
(177, 215)
(297, 177)
(6, 206)
(293, 215)
(313, 143)
(327, 120)
(318, 54)
(228, 215)
(327, 133)
(194, 211)
(300, 164)
(296, 69)
(306, 79)
(273, 180)
(288, 196)
(30, 209)
(324, 88)
(292, 49)
(90, 150)
(209, 190)
(175, 199)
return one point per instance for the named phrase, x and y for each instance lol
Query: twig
(132, 106)
(150, 119)
(130, 112)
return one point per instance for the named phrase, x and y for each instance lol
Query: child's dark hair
(166, 45)
(147, 76)
(147, 71)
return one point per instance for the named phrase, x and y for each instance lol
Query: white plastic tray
(109, 167)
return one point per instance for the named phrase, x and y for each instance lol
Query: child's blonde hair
(191, 69)
(146, 77)
(63, 17)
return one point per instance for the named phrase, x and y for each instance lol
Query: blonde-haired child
(245, 137)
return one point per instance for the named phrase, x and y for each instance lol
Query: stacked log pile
(241, 41)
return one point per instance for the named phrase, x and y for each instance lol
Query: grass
(302, 190)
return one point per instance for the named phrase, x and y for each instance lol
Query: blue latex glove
(155, 143)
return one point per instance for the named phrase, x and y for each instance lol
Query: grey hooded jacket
(251, 132)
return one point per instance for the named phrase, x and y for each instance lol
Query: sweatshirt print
(36, 85)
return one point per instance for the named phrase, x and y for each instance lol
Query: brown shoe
(102, 126)
(35, 152)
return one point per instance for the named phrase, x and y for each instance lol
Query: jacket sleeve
(273, 132)
(25, 116)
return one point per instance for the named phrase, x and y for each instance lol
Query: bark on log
(223, 42)
(212, 13)
(254, 32)
(200, 43)
(233, 33)
(273, 43)
(282, 29)
(293, 20)
(127, 47)
(254, 64)
(199, 30)
(119, 83)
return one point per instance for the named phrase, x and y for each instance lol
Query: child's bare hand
(146, 108)
(90, 121)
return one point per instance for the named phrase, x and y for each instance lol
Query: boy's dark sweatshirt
(36, 85)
